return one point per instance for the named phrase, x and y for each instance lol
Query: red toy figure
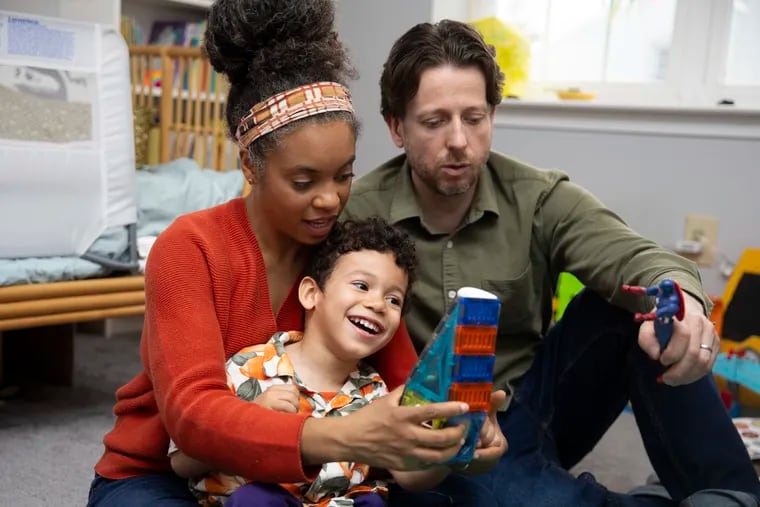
(669, 303)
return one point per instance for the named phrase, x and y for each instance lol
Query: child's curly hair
(374, 234)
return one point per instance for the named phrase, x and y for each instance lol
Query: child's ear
(308, 293)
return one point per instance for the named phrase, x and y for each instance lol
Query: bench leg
(39, 355)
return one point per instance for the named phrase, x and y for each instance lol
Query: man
(482, 219)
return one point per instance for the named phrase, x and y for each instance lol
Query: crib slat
(36, 291)
(166, 115)
(71, 304)
(65, 318)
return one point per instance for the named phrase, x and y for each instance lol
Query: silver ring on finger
(704, 346)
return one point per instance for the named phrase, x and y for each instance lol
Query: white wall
(369, 28)
(654, 180)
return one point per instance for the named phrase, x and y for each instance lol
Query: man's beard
(444, 188)
(451, 190)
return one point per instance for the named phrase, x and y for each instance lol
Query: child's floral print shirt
(255, 369)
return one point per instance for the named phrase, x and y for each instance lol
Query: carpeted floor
(51, 437)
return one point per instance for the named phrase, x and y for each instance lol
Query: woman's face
(307, 180)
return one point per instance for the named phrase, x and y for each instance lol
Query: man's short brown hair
(427, 46)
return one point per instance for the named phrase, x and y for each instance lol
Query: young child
(353, 299)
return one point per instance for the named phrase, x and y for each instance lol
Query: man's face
(447, 129)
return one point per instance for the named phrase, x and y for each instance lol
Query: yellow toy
(737, 320)
(512, 53)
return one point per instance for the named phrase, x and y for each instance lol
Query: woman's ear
(308, 293)
(246, 166)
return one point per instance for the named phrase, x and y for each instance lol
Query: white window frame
(697, 62)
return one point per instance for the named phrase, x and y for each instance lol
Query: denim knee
(720, 498)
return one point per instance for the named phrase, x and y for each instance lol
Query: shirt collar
(404, 204)
(357, 379)
(278, 340)
(485, 195)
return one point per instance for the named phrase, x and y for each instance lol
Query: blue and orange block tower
(457, 364)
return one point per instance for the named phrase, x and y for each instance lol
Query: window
(668, 52)
(594, 40)
(742, 63)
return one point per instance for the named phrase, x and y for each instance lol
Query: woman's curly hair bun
(250, 40)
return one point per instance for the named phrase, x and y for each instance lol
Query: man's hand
(692, 349)
(281, 398)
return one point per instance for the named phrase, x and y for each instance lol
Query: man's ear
(308, 293)
(396, 129)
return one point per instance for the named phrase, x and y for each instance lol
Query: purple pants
(272, 495)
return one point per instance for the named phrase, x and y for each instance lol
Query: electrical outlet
(703, 229)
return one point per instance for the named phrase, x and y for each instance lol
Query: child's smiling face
(359, 310)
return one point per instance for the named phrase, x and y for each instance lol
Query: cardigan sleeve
(183, 353)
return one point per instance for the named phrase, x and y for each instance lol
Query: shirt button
(452, 294)
(449, 244)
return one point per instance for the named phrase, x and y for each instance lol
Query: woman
(224, 278)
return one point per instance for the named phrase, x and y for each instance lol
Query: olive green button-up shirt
(525, 226)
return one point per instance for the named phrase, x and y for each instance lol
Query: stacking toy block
(457, 364)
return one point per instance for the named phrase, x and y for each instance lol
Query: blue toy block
(457, 364)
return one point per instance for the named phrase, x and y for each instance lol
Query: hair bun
(249, 38)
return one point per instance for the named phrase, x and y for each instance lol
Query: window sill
(717, 121)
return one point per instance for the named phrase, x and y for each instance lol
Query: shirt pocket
(519, 304)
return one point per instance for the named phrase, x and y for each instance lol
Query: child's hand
(282, 398)
(489, 434)
(492, 443)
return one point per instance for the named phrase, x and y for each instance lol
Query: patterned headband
(285, 107)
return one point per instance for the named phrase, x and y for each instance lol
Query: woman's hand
(282, 398)
(385, 435)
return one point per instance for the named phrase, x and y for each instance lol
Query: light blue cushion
(168, 190)
(163, 193)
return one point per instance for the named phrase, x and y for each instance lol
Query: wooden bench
(37, 323)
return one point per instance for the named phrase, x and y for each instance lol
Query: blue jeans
(164, 490)
(586, 370)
